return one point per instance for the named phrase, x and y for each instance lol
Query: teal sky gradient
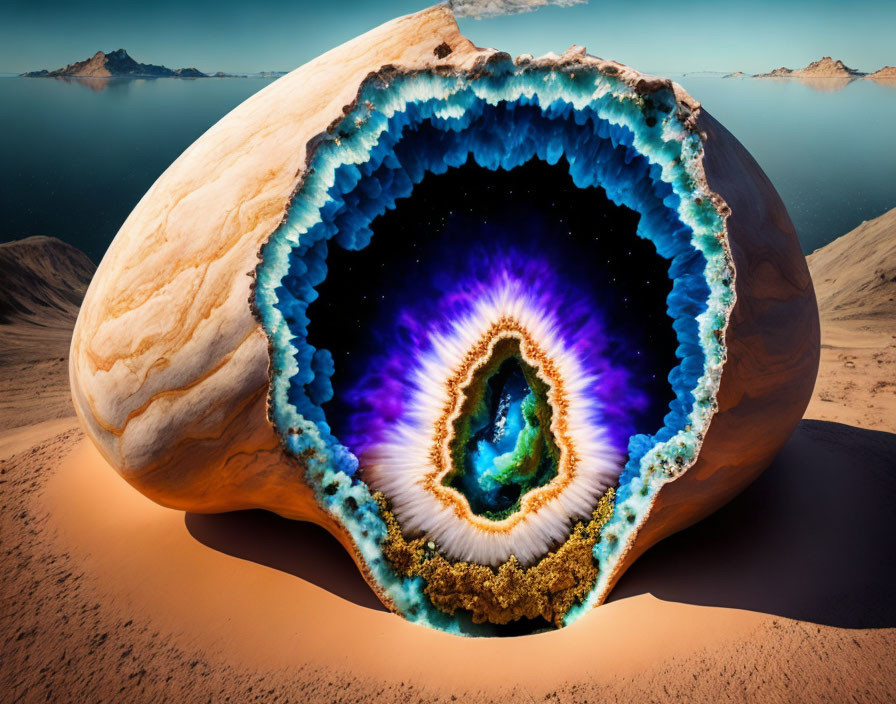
(657, 37)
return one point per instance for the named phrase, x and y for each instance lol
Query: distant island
(887, 73)
(825, 67)
(115, 63)
(120, 64)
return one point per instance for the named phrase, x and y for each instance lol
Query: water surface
(77, 155)
(829, 147)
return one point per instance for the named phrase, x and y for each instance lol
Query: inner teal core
(503, 446)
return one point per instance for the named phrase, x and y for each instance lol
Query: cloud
(478, 9)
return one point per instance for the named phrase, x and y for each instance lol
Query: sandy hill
(855, 282)
(115, 63)
(42, 283)
(42, 280)
(855, 275)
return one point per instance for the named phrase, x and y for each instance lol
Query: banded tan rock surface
(170, 366)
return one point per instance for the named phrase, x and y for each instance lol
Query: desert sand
(782, 595)
(855, 282)
(42, 282)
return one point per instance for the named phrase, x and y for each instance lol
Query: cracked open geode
(498, 325)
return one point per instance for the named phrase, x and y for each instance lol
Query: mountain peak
(116, 63)
(887, 73)
(825, 67)
(41, 279)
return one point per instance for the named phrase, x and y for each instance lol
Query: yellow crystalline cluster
(547, 589)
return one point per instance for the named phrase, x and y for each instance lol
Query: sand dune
(783, 595)
(855, 282)
(42, 282)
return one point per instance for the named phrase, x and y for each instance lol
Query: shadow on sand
(813, 539)
(300, 549)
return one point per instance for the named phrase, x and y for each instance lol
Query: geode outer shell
(170, 365)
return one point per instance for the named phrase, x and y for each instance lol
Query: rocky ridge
(824, 68)
(115, 63)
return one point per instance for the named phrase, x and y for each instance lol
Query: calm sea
(76, 156)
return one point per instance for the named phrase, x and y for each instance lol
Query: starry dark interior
(535, 204)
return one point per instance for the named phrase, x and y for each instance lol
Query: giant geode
(498, 325)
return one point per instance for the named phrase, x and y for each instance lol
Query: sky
(267, 35)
